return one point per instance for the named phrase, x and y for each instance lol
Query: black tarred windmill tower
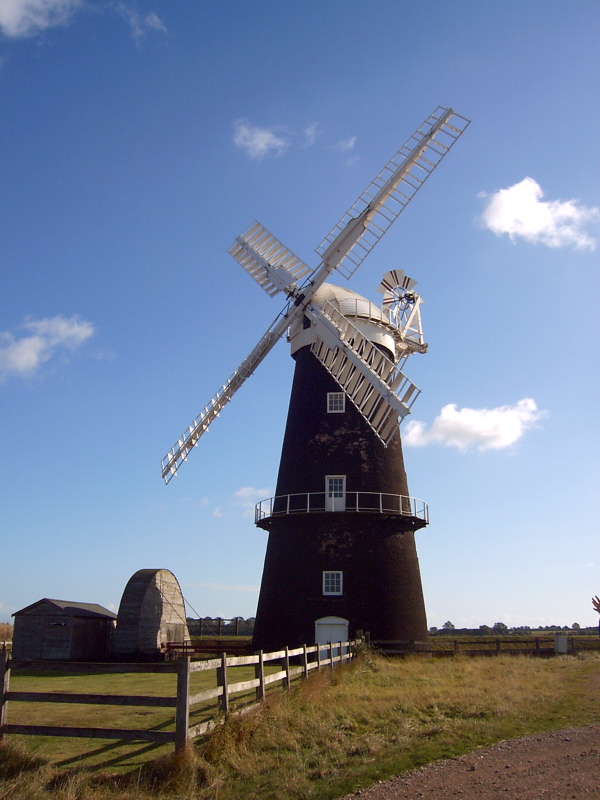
(341, 554)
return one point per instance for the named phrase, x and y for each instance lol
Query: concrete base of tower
(359, 569)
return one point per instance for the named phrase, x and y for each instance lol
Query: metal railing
(351, 502)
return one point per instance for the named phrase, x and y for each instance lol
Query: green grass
(339, 731)
(116, 755)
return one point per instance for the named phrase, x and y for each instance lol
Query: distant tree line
(218, 626)
(6, 632)
(501, 629)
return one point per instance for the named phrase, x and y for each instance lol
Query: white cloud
(311, 132)
(520, 211)
(481, 428)
(217, 513)
(345, 145)
(258, 142)
(23, 356)
(140, 24)
(28, 17)
(247, 497)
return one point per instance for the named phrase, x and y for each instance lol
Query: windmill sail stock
(277, 269)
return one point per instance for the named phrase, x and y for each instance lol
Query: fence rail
(536, 646)
(308, 658)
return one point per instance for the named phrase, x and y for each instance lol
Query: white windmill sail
(392, 190)
(265, 259)
(276, 268)
(189, 438)
(372, 381)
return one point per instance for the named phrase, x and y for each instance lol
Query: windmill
(341, 553)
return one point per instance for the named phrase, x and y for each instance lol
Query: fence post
(259, 672)
(574, 645)
(237, 626)
(286, 666)
(4, 683)
(498, 646)
(304, 662)
(182, 710)
(455, 647)
(318, 658)
(330, 655)
(538, 649)
(222, 681)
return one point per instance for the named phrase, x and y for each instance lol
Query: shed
(63, 630)
(151, 613)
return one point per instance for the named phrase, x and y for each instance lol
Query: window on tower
(333, 582)
(336, 402)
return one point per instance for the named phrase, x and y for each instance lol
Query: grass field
(335, 732)
(118, 756)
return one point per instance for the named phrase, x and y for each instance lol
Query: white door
(335, 493)
(331, 629)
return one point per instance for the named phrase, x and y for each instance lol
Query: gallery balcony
(390, 505)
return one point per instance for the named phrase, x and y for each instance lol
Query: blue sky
(139, 139)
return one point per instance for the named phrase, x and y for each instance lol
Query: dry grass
(345, 729)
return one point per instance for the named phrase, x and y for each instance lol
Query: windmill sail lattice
(276, 269)
(393, 189)
(371, 380)
(265, 259)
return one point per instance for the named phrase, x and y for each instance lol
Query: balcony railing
(350, 502)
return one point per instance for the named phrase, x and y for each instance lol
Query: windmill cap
(366, 315)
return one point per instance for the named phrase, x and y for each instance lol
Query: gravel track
(562, 765)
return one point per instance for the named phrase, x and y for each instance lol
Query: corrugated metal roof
(72, 609)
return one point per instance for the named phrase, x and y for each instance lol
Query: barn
(151, 613)
(63, 630)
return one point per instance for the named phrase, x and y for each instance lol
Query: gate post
(304, 662)
(222, 681)
(182, 711)
(286, 667)
(259, 672)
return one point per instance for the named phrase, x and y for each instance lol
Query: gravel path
(551, 766)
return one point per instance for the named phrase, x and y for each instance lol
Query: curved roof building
(151, 613)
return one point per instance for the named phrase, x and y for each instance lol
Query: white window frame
(335, 498)
(335, 578)
(333, 399)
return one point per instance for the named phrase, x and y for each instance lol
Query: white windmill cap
(367, 316)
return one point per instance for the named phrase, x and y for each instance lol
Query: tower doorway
(335, 493)
(331, 629)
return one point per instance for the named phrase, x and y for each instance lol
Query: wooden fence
(306, 657)
(486, 646)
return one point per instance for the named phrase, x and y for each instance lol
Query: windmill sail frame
(275, 269)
